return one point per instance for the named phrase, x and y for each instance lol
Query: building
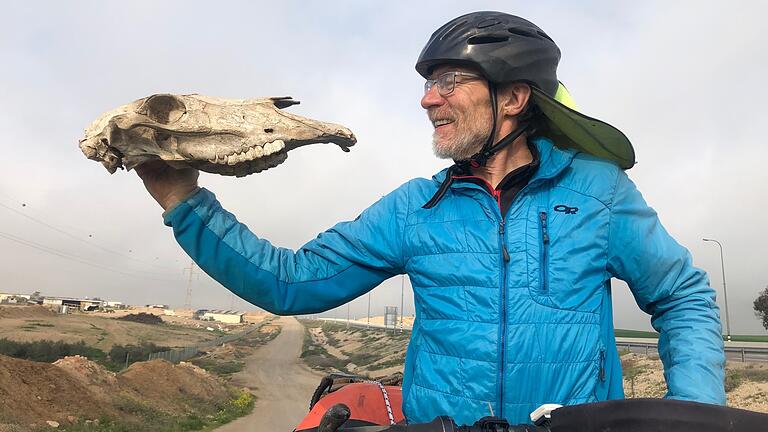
(228, 317)
(73, 303)
(8, 298)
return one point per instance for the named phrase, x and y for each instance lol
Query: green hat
(568, 128)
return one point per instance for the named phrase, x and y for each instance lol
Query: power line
(75, 258)
(70, 235)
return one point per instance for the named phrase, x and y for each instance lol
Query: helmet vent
(490, 22)
(487, 39)
(458, 26)
(528, 33)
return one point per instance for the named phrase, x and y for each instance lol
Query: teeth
(255, 153)
(250, 154)
(273, 147)
(437, 123)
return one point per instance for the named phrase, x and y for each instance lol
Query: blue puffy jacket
(511, 312)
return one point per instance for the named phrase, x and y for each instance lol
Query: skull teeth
(250, 154)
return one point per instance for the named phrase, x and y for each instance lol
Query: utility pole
(402, 297)
(188, 298)
(369, 308)
(725, 292)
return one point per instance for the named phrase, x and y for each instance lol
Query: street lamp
(725, 292)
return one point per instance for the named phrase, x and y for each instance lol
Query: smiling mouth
(441, 122)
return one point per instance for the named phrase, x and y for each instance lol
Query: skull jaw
(240, 169)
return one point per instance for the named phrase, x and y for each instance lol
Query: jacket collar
(553, 161)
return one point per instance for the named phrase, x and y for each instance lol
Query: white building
(229, 317)
(73, 302)
(9, 298)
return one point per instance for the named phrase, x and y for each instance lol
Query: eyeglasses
(446, 82)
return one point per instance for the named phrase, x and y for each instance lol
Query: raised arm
(340, 264)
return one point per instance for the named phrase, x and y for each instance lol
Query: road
(281, 383)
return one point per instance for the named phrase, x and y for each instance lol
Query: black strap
(452, 170)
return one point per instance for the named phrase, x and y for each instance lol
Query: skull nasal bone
(163, 109)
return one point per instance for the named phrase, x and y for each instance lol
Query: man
(510, 250)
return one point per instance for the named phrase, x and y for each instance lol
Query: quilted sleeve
(676, 294)
(339, 265)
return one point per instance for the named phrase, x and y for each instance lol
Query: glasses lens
(446, 82)
(428, 84)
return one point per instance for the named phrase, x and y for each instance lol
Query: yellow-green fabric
(568, 128)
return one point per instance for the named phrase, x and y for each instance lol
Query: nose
(432, 98)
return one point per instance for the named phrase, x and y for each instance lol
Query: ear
(513, 99)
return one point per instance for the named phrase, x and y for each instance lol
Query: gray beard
(455, 153)
(468, 142)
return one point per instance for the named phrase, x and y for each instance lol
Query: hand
(167, 185)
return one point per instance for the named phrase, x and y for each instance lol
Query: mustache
(440, 115)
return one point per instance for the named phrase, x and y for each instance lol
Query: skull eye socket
(164, 109)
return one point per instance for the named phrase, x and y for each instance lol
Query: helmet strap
(489, 149)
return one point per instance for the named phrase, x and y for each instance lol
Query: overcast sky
(684, 80)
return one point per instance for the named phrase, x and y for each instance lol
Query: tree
(761, 307)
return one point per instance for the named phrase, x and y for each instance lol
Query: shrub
(143, 318)
(48, 351)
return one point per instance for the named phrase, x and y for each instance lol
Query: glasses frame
(447, 79)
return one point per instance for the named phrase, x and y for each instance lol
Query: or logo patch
(565, 209)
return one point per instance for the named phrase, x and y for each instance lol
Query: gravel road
(281, 383)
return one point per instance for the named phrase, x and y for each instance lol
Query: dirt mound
(141, 317)
(173, 389)
(101, 381)
(77, 389)
(32, 392)
(34, 311)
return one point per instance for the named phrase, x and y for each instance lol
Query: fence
(181, 354)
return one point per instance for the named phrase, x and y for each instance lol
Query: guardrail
(743, 354)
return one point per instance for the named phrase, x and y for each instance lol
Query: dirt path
(282, 384)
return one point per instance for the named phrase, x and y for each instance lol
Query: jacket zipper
(544, 254)
(602, 364)
(505, 258)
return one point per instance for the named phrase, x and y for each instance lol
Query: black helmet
(506, 48)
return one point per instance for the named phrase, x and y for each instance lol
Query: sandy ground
(643, 375)
(649, 382)
(282, 384)
(102, 330)
(379, 320)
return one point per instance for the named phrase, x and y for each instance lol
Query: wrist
(174, 199)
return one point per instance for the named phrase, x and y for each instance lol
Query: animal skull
(223, 136)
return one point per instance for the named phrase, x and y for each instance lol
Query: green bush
(219, 367)
(733, 379)
(48, 351)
